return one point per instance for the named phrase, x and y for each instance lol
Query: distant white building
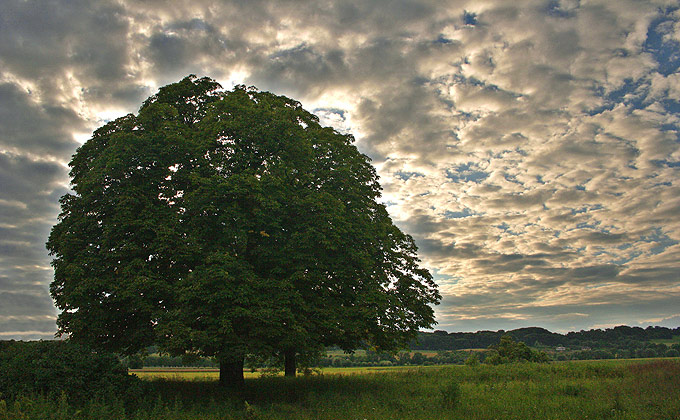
(560, 348)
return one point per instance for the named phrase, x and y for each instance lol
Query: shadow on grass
(268, 391)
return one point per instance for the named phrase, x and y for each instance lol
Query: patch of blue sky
(334, 117)
(469, 18)
(458, 214)
(506, 228)
(293, 51)
(554, 9)
(617, 259)
(595, 286)
(632, 93)
(664, 162)
(662, 241)
(586, 209)
(672, 106)
(405, 175)
(521, 151)
(670, 127)
(626, 259)
(337, 111)
(586, 225)
(466, 172)
(194, 24)
(473, 81)
(512, 178)
(441, 39)
(444, 279)
(664, 49)
(464, 80)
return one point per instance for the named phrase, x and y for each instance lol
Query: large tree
(231, 223)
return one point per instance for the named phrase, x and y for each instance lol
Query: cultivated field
(210, 374)
(629, 389)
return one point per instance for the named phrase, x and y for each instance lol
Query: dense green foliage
(231, 223)
(511, 351)
(53, 368)
(620, 390)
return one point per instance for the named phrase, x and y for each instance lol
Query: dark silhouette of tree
(230, 223)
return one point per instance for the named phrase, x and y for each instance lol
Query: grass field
(668, 341)
(206, 374)
(621, 390)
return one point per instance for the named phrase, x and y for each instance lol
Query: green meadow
(624, 389)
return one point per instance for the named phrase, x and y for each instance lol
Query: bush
(672, 353)
(473, 360)
(135, 362)
(53, 368)
(510, 351)
(450, 394)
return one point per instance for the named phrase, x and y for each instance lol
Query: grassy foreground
(571, 390)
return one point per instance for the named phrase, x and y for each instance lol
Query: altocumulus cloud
(530, 147)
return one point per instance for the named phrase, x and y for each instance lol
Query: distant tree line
(399, 359)
(617, 342)
(621, 342)
(356, 359)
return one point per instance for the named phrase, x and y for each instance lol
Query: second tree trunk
(289, 362)
(231, 373)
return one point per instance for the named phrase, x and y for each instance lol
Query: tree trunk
(231, 372)
(290, 363)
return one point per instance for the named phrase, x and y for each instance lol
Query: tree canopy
(226, 223)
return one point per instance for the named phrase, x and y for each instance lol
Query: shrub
(135, 362)
(672, 353)
(473, 360)
(53, 368)
(572, 390)
(450, 394)
(509, 351)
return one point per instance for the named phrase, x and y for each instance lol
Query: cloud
(531, 148)
(30, 127)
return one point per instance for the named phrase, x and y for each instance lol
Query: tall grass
(571, 390)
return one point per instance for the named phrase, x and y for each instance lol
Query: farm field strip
(193, 374)
(210, 374)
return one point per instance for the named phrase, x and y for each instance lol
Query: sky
(531, 148)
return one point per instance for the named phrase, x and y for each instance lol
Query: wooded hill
(618, 337)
